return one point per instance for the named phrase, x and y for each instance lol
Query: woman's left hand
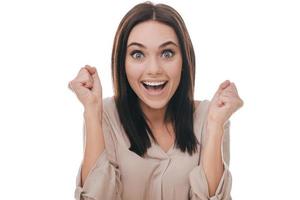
(224, 103)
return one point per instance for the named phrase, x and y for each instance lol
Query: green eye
(137, 55)
(167, 53)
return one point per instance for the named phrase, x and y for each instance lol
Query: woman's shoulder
(110, 113)
(108, 102)
(201, 106)
(109, 106)
(200, 115)
(112, 120)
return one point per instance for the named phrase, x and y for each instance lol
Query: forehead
(152, 34)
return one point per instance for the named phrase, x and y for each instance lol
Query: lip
(154, 92)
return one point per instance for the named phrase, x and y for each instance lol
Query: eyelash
(133, 53)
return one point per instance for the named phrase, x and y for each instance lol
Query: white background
(43, 44)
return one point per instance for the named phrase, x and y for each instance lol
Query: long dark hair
(180, 108)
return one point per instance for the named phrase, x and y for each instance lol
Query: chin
(154, 104)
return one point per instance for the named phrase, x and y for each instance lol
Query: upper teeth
(154, 83)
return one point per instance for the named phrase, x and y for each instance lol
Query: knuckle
(82, 70)
(241, 102)
(72, 82)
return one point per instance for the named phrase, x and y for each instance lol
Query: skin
(155, 64)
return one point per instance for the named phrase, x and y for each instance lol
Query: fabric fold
(102, 181)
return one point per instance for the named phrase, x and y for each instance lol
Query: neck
(155, 117)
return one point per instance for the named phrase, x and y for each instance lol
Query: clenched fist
(87, 87)
(224, 103)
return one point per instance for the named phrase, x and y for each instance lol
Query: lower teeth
(154, 87)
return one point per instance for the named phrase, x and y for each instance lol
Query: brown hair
(180, 108)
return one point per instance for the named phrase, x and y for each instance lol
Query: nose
(153, 66)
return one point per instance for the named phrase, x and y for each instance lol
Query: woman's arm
(211, 158)
(94, 140)
(223, 104)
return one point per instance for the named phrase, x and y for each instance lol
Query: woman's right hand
(87, 87)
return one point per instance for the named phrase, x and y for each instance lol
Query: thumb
(93, 72)
(90, 69)
(222, 86)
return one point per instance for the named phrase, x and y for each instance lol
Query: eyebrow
(161, 46)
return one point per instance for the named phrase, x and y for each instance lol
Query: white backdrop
(43, 44)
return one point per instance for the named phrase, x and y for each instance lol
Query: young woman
(152, 140)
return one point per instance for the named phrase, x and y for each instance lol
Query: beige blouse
(121, 174)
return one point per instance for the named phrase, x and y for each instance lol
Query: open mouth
(154, 85)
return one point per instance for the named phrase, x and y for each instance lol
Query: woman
(152, 140)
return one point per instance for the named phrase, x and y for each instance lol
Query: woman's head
(146, 13)
(152, 47)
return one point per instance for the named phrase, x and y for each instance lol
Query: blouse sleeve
(103, 180)
(198, 181)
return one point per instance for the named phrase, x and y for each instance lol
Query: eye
(168, 53)
(137, 54)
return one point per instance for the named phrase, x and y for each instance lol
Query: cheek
(133, 72)
(175, 70)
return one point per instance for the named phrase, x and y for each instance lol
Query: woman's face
(153, 63)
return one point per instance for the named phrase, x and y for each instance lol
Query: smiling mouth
(154, 85)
